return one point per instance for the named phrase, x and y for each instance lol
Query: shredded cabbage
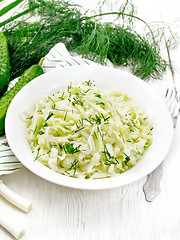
(87, 132)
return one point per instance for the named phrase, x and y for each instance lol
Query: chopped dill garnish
(39, 111)
(99, 131)
(73, 165)
(127, 158)
(78, 102)
(56, 132)
(98, 95)
(88, 83)
(87, 90)
(105, 118)
(81, 121)
(37, 155)
(65, 116)
(77, 126)
(45, 125)
(62, 96)
(108, 158)
(78, 129)
(35, 129)
(60, 146)
(29, 117)
(69, 87)
(79, 94)
(69, 148)
(41, 132)
(49, 116)
(135, 139)
(133, 123)
(57, 109)
(86, 119)
(97, 119)
(121, 138)
(95, 135)
(130, 127)
(100, 103)
(54, 105)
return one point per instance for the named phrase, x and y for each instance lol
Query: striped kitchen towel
(58, 57)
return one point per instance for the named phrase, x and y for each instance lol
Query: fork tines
(172, 99)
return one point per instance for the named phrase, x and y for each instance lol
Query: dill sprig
(77, 102)
(54, 105)
(109, 159)
(49, 115)
(62, 21)
(74, 165)
(69, 148)
(127, 158)
(38, 154)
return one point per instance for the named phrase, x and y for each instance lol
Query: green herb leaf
(54, 105)
(78, 102)
(108, 158)
(49, 116)
(37, 155)
(127, 158)
(69, 148)
(84, 35)
(98, 95)
(74, 165)
(41, 132)
(65, 116)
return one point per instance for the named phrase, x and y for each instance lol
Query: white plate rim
(66, 74)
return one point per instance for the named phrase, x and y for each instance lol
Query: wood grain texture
(120, 213)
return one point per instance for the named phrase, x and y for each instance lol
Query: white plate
(105, 77)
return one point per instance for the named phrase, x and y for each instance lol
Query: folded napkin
(58, 57)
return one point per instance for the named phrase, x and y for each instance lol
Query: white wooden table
(121, 213)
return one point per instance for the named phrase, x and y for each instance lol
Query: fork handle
(151, 187)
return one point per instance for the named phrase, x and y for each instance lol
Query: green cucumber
(31, 73)
(4, 64)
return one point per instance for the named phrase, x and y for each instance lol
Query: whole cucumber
(4, 64)
(31, 73)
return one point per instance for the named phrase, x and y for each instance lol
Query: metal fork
(151, 187)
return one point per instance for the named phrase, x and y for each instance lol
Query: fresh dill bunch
(122, 47)
(123, 7)
(30, 41)
(164, 30)
(167, 35)
(62, 21)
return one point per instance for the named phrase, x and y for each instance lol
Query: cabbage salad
(87, 132)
